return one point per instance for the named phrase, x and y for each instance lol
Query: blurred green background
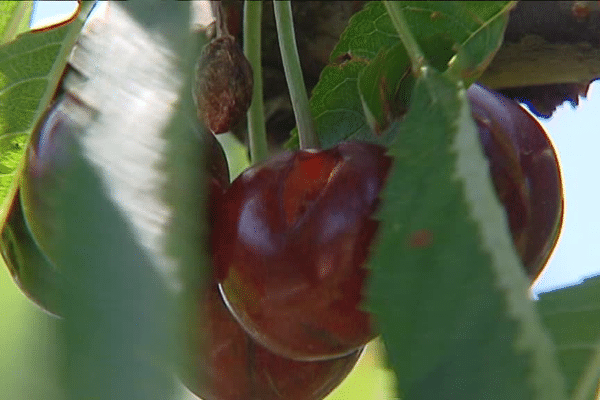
(29, 355)
(28, 344)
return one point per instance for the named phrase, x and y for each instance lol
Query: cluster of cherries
(290, 240)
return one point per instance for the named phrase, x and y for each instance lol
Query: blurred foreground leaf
(117, 308)
(129, 205)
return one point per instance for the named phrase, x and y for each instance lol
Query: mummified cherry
(293, 234)
(234, 367)
(223, 86)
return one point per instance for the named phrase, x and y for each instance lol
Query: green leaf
(475, 28)
(30, 69)
(478, 50)
(368, 32)
(442, 29)
(384, 88)
(572, 316)
(447, 287)
(335, 105)
(14, 19)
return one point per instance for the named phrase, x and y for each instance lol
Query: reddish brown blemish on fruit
(420, 239)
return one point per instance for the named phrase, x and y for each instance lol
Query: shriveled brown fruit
(223, 86)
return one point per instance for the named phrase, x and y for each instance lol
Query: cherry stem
(293, 74)
(220, 21)
(257, 134)
(417, 58)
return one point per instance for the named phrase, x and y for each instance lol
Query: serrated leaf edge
(471, 169)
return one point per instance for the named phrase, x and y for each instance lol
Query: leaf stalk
(415, 53)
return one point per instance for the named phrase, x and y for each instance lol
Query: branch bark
(548, 42)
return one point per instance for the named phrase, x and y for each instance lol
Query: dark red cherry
(234, 367)
(526, 174)
(291, 239)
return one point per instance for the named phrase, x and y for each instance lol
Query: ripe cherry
(525, 171)
(235, 367)
(291, 240)
(293, 234)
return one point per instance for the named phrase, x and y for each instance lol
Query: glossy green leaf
(572, 316)
(447, 286)
(30, 69)
(14, 19)
(473, 29)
